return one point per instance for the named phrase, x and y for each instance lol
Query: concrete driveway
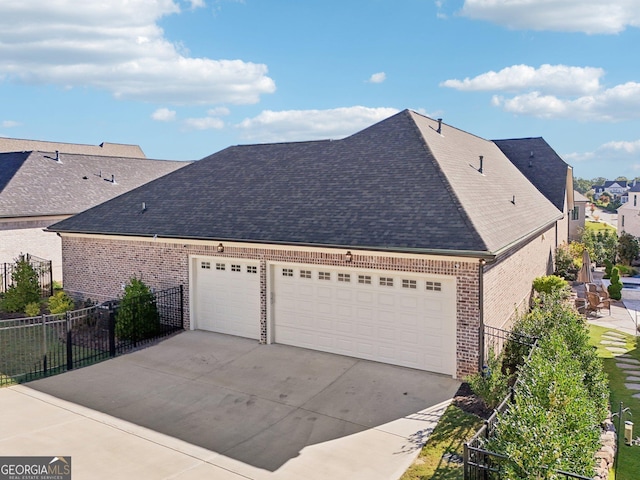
(232, 408)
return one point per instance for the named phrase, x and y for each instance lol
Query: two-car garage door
(392, 317)
(377, 315)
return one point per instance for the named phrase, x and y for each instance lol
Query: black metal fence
(482, 464)
(42, 268)
(35, 347)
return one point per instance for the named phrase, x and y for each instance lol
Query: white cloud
(377, 77)
(292, 125)
(556, 91)
(614, 156)
(204, 123)
(118, 46)
(9, 124)
(218, 111)
(547, 78)
(164, 115)
(621, 102)
(588, 16)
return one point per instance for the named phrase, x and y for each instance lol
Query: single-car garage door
(391, 317)
(226, 295)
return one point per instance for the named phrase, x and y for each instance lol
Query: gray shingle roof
(105, 148)
(395, 185)
(35, 184)
(537, 161)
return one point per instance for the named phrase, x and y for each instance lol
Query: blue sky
(186, 78)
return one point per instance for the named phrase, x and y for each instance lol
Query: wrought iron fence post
(466, 462)
(69, 342)
(44, 343)
(181, 306)
(50, 278)
(112, 331)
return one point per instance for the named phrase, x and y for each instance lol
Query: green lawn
(595, 226)
(453, 430)
(629, 457)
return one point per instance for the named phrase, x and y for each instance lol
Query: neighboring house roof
(635, 188)
(397, 185)
(105, 148)
(537, 161)
(35, 184)
(611, 183)
(578, 197)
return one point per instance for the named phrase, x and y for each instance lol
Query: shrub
(32, 309)
(137, 317)
(566, 266)
(607, 268)
(615, 287)
(491, 385)
(550, 284)
(25, 288)
(628, 248)
(60, 302)
(553, 422)
(626, 270)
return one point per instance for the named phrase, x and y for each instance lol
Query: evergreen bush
(25, 288)
(491, 385)
(137, 317)
(32, 309)
(60, 302)
(615, 287)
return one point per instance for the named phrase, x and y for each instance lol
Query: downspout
(481, 265)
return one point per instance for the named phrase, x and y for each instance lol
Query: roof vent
(481, 163)
(513, 200)
(439, 126)
(112, 180)
(144, 207)
(58, 157)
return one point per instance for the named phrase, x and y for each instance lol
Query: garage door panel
(226, 297)
(383, 316)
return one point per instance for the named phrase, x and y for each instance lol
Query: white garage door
(226, 296)
(396, 318)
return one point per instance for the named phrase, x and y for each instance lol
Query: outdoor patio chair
(605, 299)
(591, 287)
(594, 304)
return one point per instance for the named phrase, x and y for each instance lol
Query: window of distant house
(575, 213)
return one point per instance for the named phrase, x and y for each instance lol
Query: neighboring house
(104, 149)
(551, 175)
(40, 188)
(615, 188)
(629, 213)
(578, 216)
(397, 244)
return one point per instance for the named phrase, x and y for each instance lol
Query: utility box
(628, 432)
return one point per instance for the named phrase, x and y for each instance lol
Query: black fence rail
(35, 347)
(42, 268)
(482, 464)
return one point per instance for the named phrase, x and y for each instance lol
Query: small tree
(137, 317)
(628, 248)
(25, 288)
(60, 302)
(615, 288)
(551, 284)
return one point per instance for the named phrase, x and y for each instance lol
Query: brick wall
(508, 284)
(98, 268)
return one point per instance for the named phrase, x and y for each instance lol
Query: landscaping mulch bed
(469, 402)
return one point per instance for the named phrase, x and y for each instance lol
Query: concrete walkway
(201, 405)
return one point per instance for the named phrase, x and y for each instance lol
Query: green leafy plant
(25, 288)
(32, 309)
(137, 317)
(550, 284)
(615, 287)
(628, 248)
(566, 266)
(491, 385)
(60, 302)
(608, 265)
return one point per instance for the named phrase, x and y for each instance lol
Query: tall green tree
(628, 248)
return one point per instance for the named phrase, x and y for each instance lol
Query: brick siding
(100, 266)
(508, 284)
